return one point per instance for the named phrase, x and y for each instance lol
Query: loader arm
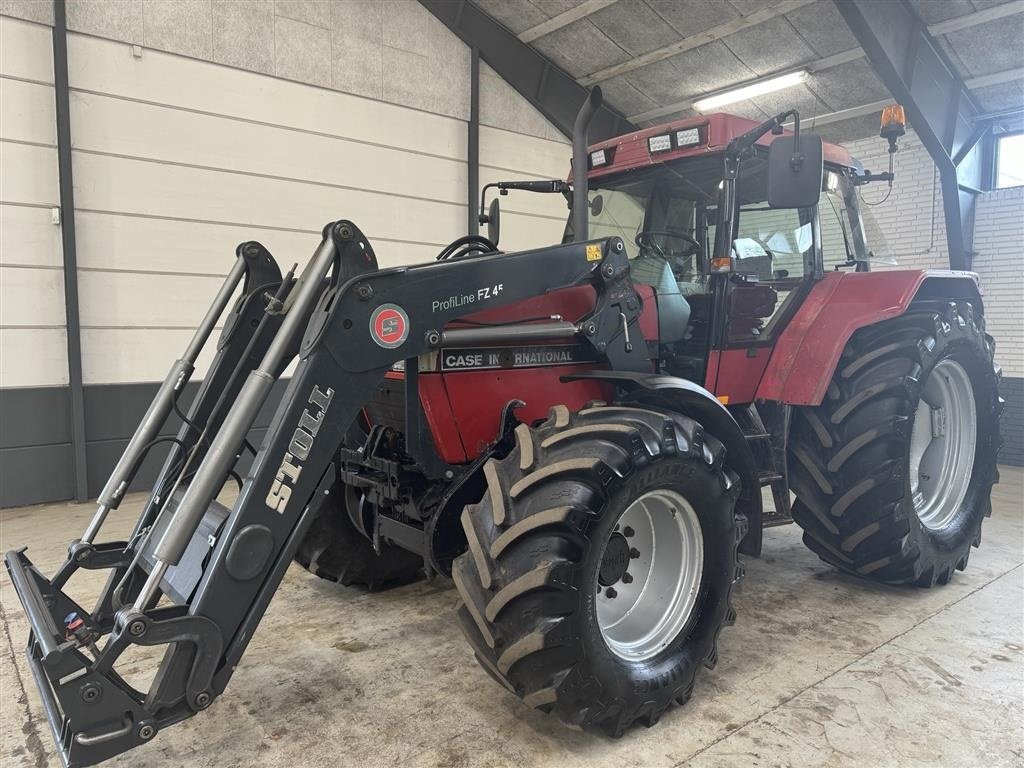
(351, 334)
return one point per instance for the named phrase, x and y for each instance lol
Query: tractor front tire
(567, 602)
(893, 471)
(335, 550)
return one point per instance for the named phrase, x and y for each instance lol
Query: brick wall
(909, 227)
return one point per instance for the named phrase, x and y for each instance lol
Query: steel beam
(564, 19)
(473, 143)
(68, 240)
(551, 90)
(938, 105)
(695, 41)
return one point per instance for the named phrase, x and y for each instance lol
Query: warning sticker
(389, 326)
(593, 252)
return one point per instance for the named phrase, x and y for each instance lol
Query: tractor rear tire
(893, 472)
(550, 551)
(335, 550)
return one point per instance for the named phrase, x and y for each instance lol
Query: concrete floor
(820, 670)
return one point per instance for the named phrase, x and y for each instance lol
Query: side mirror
(795, 171)
(494, 221)
(597, 205)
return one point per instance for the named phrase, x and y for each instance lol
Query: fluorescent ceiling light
(758, 88)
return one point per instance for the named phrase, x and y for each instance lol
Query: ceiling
(653, 58)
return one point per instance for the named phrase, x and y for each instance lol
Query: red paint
(440, 418)
(572, 304)
(717, 130)
(462, 409)
(737, 374)
(808, 350)
(475, 399)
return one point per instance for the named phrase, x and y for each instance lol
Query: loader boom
(354, 323)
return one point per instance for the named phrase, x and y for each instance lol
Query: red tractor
(578, 435)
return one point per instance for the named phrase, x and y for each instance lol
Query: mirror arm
(741, 144)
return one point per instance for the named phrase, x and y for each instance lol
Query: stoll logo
(389, 326)
(298, 449)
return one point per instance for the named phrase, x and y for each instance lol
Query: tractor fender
(689, 399)
(808, 350)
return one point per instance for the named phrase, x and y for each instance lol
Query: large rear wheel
(335, 550)
(601, 562)
(893, 471)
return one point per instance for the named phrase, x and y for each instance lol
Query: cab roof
(714, 132)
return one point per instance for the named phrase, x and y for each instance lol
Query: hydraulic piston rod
(224, 449)
(113, 492)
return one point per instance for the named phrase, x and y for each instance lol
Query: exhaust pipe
(580, 132)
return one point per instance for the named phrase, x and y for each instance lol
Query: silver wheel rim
(942, 445)
(642, 612)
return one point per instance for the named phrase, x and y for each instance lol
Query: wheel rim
(650, 575)
(942, 445)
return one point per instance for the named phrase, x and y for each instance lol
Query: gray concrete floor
(820, 670)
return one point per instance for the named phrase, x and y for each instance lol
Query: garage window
(1010, 160)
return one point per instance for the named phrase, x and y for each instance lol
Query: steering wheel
(646, 240)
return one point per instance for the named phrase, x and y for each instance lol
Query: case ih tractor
(577, 435)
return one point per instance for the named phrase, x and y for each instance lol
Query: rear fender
(808, 350)
(689, 399)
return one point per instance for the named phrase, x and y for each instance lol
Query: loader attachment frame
(196, 577)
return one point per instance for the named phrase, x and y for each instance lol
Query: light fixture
(660, 143)
(758, 88)
(688, 137)
(598, 158)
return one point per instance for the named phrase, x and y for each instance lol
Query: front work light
(661, 143)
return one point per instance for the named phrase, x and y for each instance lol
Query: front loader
(578, 435)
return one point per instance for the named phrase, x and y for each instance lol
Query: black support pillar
(67, 230)
(473, 144)
(552, 91)
(938, 106)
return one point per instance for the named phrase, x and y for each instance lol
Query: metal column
(67, 228)
(473, 145)
(939, 107)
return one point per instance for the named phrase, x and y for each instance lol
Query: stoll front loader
(577, 435)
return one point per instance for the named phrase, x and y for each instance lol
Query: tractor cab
(664, 191)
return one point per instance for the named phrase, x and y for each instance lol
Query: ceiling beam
(695, 41)
(915, 70)
(564, 19)
(877, 106)
(836, 59)
(844, 114)
(687, 103)
(550, 89)
(978, 17)
(1006, 76)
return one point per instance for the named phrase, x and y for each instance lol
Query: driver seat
(673, 308)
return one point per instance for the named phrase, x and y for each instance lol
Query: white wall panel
(542, 158)
(25, 50)
(117, 184)
(142, 130)
(28, 174)
(125, 299)
(108, 67)
(31, 296)
(114, 355)
(520, 233)
(29, 236)
(27, 112)
(145, 244)
(33, 357)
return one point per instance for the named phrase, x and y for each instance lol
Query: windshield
(668, 214)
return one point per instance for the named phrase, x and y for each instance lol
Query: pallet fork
(197, 577)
